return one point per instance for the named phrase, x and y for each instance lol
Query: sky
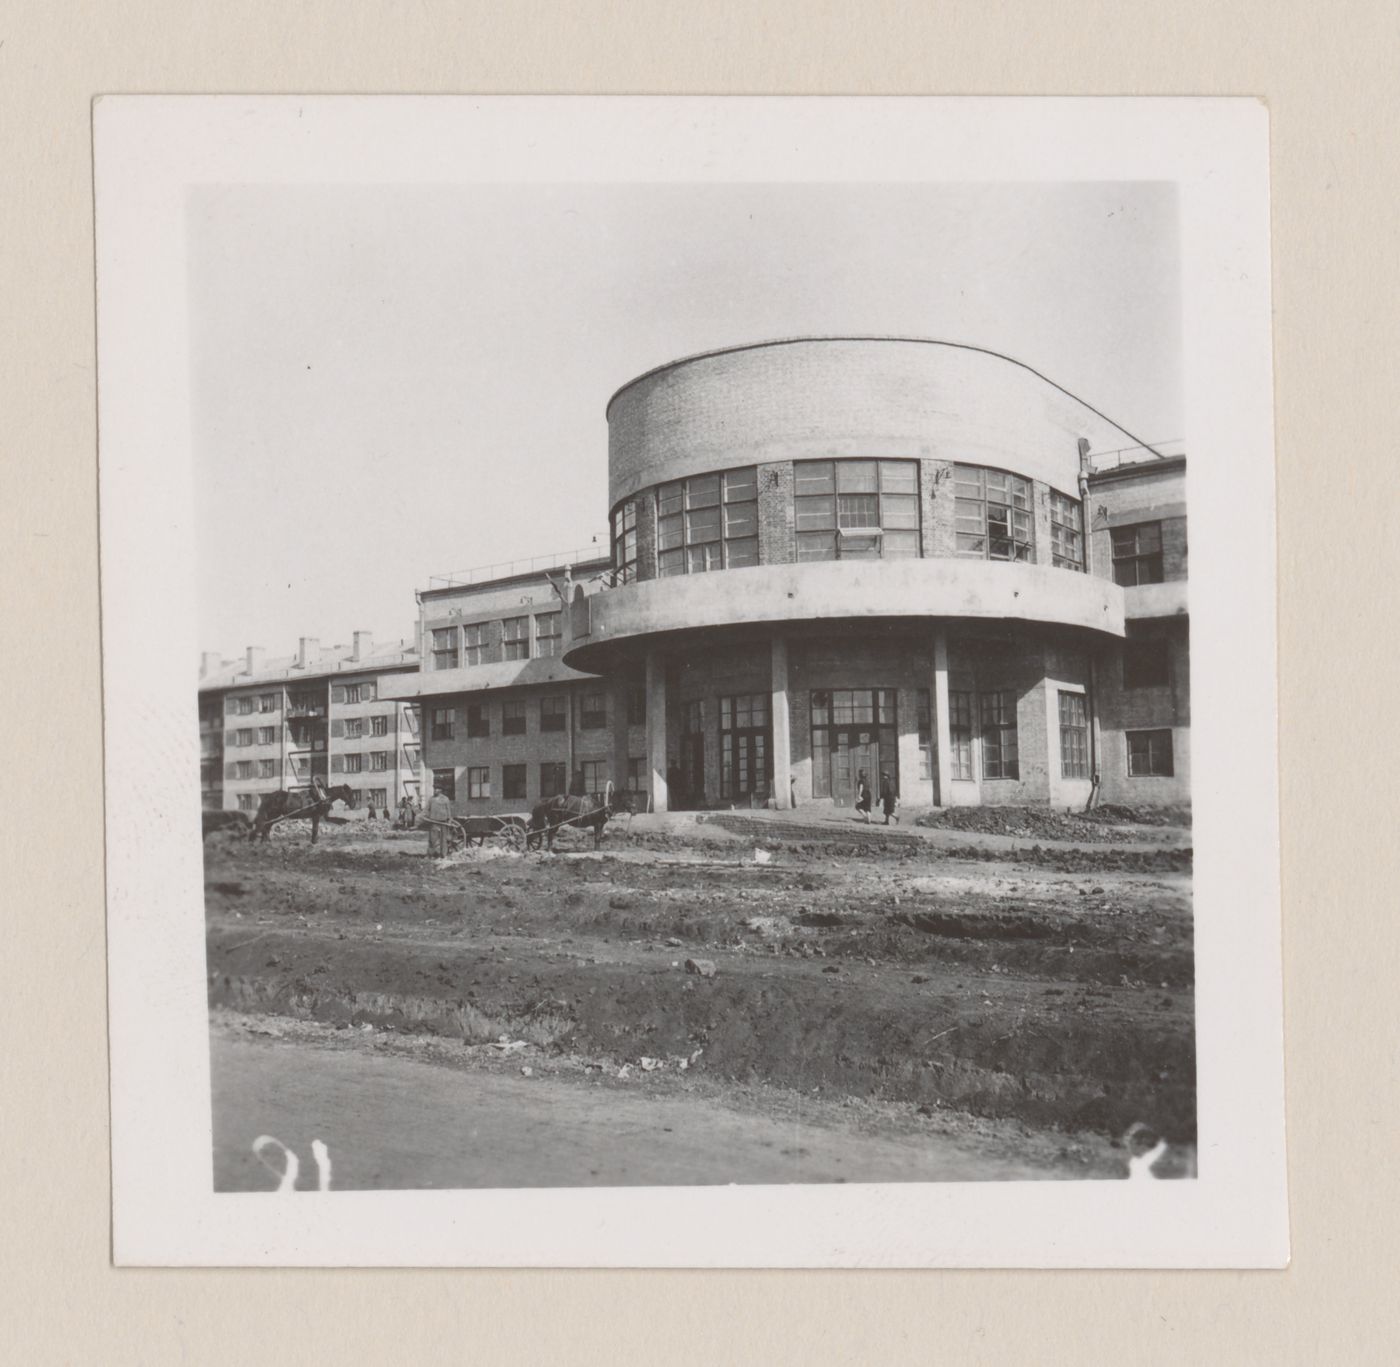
(393, 383)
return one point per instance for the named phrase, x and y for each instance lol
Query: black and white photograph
(687, 677)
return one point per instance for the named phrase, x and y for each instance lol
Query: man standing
(889, 799)
(439, 813)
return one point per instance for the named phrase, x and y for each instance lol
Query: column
(782, 726)
(656, 729)
(942, 732)
(617, 707)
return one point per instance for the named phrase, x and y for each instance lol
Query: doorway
(852, 750)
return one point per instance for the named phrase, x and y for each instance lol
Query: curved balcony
(625, 621)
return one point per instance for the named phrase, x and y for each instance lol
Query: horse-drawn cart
(506, 830)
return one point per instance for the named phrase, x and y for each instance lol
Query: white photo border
(150, 149)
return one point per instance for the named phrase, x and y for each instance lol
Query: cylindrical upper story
(857, 397)
(846, 448)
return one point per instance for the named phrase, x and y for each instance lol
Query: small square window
(1150, 754)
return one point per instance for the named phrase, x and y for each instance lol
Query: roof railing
(1135, 455)
(597, 549)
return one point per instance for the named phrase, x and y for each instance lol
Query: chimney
(308, 651)
(209, 662)
(255, 658)
(363, 647)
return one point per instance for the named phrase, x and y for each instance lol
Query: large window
(515, 638)
(856, 509)
(267, 735)
(474, 643)
(548, 634)
(353, 763)
(245, 707)
(379, 759)
(513, 717)
(624, 541)
(379, 726)
(554, 713)
(1150, 754)
(442, 723)
(553, 779)
(595, 775)
(354, 728)
(993, 514)
(513, 781)
(445, 654)
(744, 737)
(999, 757)
(244, 769)
(1137, 554)
(478, 781)
(960, 735)
(446, 780)
(268, 702)
(478, 721)
(1066, 532)
(592, 711)
(925, 723)
(1074, 736)
(267, 768)
(708, 522)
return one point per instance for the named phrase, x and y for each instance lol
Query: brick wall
(1159, 707)
(937, 507)
(777, 538)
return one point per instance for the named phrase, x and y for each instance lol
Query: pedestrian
(373, 815)
(440, 814)
(863, 802)
(889, 799)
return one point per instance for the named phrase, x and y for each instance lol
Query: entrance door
(692, 770)
(853, 749)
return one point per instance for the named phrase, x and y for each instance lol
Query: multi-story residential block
(325, 714)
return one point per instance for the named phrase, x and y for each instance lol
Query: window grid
(379, 759)
(925, 725)
(268, 702)
(999, 757)
(624, 535)
(593, 711)
(549, 638)
(708, 522)
(513, 717)
(379, 726)
(993, 514)
(595, 775)
(1150, 754)
(960, 734)
(442, 724)
(1066, 532)
(1137, 554)
(478, 781)
(554, 712)
(515, 638)
(445, 648)
(743, 721)
(856, 509)
(1074, 735)
(475, 643)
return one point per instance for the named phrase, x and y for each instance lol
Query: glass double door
(854, 749)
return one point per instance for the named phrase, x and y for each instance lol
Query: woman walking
(863, 796)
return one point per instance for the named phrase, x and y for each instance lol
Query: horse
(548, 816)
(302, 802)
(239, 822)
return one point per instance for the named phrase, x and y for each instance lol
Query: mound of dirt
(1037, 823)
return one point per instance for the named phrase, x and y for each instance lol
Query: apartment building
(328, 714)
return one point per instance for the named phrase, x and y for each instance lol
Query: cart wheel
(513, 834)
(456, 838)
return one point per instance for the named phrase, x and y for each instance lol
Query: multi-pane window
(553, 779)
(245, 736)
(513, 717)
(1146, 663)
(925, 723)
(360, 692)
(307, 704)
(446, 780)
(478, 781)
(595, 775)
(549, 639)
(999, 757)
(267, 735)
(637, 775)
(708, 522)
(247, 802)
(245, 707)
(744, 738)
(354, 728)
(1137, 554)
(267, 768)
(636, 705)
(442, 724)
(1150, 754)
(268, 702)
(554, 713)
(353, 763)
(513, 781)
(478, 722)
(378, 797)
(474, 643)
(445, 653)
(1066, 532)
(1074, 735)
(960, 734)
(852, 729)
(379, 726)
(244, 769)
(515, 638)
(993, 513)
(856, 509)
(379, 759)
(593, 711)
(624, 541)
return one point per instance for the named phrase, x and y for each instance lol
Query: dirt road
(389, 1121)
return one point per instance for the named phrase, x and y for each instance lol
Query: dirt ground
(1043, 991)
